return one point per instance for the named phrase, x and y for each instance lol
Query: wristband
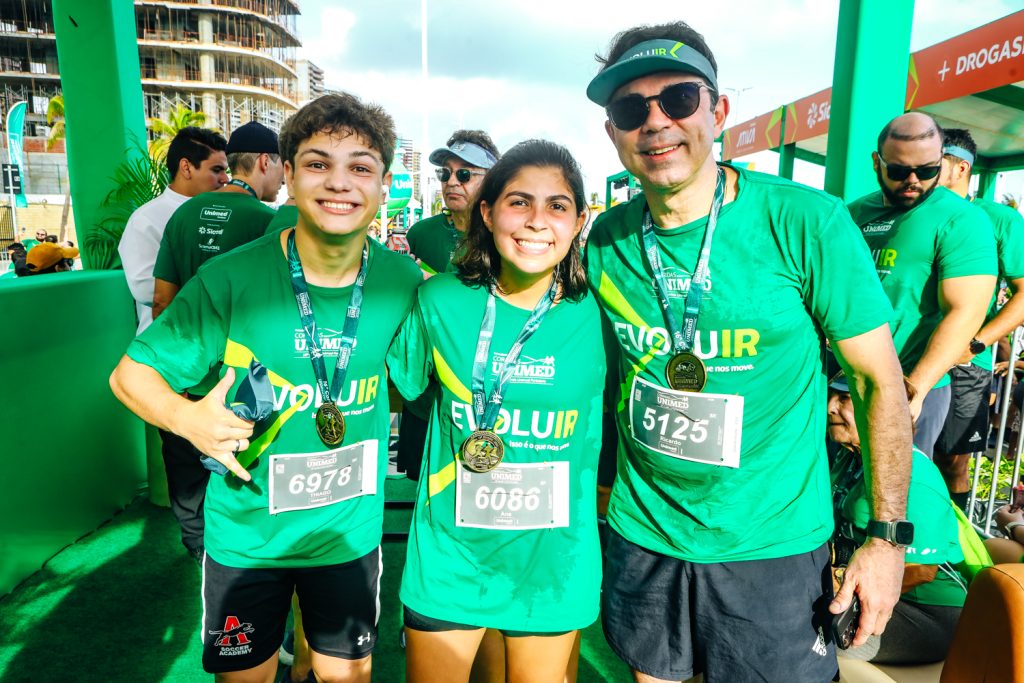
(1010, 526)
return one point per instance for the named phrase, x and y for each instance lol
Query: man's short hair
(888, 132)
(342, 114)
(679, 31)
(244, 162)
(959, 137)
(477, 137)
(195, 144)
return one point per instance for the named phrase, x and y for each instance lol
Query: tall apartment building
(232, 59)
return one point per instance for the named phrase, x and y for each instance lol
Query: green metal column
(787, 155)
(987, 185)
(99, 67)
(869, 87)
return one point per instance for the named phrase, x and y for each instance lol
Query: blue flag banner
(15, 133)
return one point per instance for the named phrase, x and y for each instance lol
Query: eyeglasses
(899, 172)
(677, 101)
(462, 175)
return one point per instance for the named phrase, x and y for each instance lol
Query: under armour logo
(365, 638)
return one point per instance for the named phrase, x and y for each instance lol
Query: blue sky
(518, 69)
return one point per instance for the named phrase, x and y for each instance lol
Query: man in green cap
(966, 426)
(717, 560)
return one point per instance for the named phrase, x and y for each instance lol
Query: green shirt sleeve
(165, 267)
(410, 357)
(966, 245)
(841, 288)
(187, 341)
(1009, 231)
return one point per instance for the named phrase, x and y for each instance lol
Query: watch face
(977, 346)
(903, 532)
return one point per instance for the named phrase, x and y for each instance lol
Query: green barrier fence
(70, 455)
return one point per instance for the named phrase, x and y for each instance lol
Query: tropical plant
(165, 129)
(55, 120)
(139, 179)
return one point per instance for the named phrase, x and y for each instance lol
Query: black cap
(253, 137)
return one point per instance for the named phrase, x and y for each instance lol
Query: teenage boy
(301, 508)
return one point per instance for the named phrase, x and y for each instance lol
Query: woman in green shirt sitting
(504, 533)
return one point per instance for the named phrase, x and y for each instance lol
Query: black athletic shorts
(759, 620)
(966, 427)
(245, 610)
(421, 622)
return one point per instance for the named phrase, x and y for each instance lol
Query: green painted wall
(72, 455)
(99, 68)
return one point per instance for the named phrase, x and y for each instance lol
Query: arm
(880, 404)
(212, 428)
(163, 294)
(138, 249)
(964, 301)
(1006, 321)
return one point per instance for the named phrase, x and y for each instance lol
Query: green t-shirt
(286, 217)
(522, 579)
(433, 241)
(788, 268)
(29, 243)
(940, 238)
(208, 225)
(241, 307)
(936, 537)
(1008, 226)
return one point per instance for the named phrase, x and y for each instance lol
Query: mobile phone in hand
(844, 625)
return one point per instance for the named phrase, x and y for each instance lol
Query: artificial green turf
(122, 604)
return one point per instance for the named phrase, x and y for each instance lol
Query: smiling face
(458, 196)
(533, 222)
(336, 181)
(842, 425)
(665, 152)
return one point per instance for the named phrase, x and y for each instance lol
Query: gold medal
(330, 423)
(686, 372)
(482, 451)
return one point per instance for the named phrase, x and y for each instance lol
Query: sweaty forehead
(921, 150)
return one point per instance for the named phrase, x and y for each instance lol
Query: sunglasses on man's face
(462, 175)
(677, 101)
(899, 172)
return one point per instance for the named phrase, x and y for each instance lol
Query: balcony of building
(276, 17)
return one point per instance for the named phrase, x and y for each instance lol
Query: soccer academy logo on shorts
(233, 639)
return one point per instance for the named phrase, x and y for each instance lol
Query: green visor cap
(650, 57)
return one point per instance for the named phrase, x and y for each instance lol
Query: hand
(875, 574)
(1007, 514)
(215, 430)
(915, 407)
(1001, 368)
(966, 357)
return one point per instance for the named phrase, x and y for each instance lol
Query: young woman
(504, 533)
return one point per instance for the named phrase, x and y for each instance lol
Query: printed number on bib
(686, 425)
(516, 497)
(313, 480)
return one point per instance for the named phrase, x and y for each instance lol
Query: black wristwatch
(976, 346)
(899, 532)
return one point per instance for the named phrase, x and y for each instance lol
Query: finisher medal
(686, 372)
(330, 423)
(482, 451)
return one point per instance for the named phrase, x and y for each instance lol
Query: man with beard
(936, 257)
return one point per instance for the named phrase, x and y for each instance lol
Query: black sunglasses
(462, 175)
(678, 101)
(899, 172)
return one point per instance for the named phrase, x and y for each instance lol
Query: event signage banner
(15, 133)
(755, 135)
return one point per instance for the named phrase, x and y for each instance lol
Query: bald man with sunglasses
(721, 286)
(935, 255)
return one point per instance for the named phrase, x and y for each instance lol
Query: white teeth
(339, 206)
(530, 245)
(652, 152)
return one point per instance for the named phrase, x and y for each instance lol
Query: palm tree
(55, 120)
(165, 129)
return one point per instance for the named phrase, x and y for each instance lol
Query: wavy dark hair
(478, 262)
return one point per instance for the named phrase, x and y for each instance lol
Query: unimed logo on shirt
(330, 340)
(529, 370)
(677, 282)
(212, 214)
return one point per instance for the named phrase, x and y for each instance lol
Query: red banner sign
(753, 136)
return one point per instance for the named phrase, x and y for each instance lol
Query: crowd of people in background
(589, 421)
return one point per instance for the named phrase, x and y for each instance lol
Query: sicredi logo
(211, 214)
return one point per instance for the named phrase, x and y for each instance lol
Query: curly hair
(342, 114)
(478, 262)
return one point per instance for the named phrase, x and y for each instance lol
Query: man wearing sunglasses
(462, 164)
(936, 258)
(971, 379)
(721, 286)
